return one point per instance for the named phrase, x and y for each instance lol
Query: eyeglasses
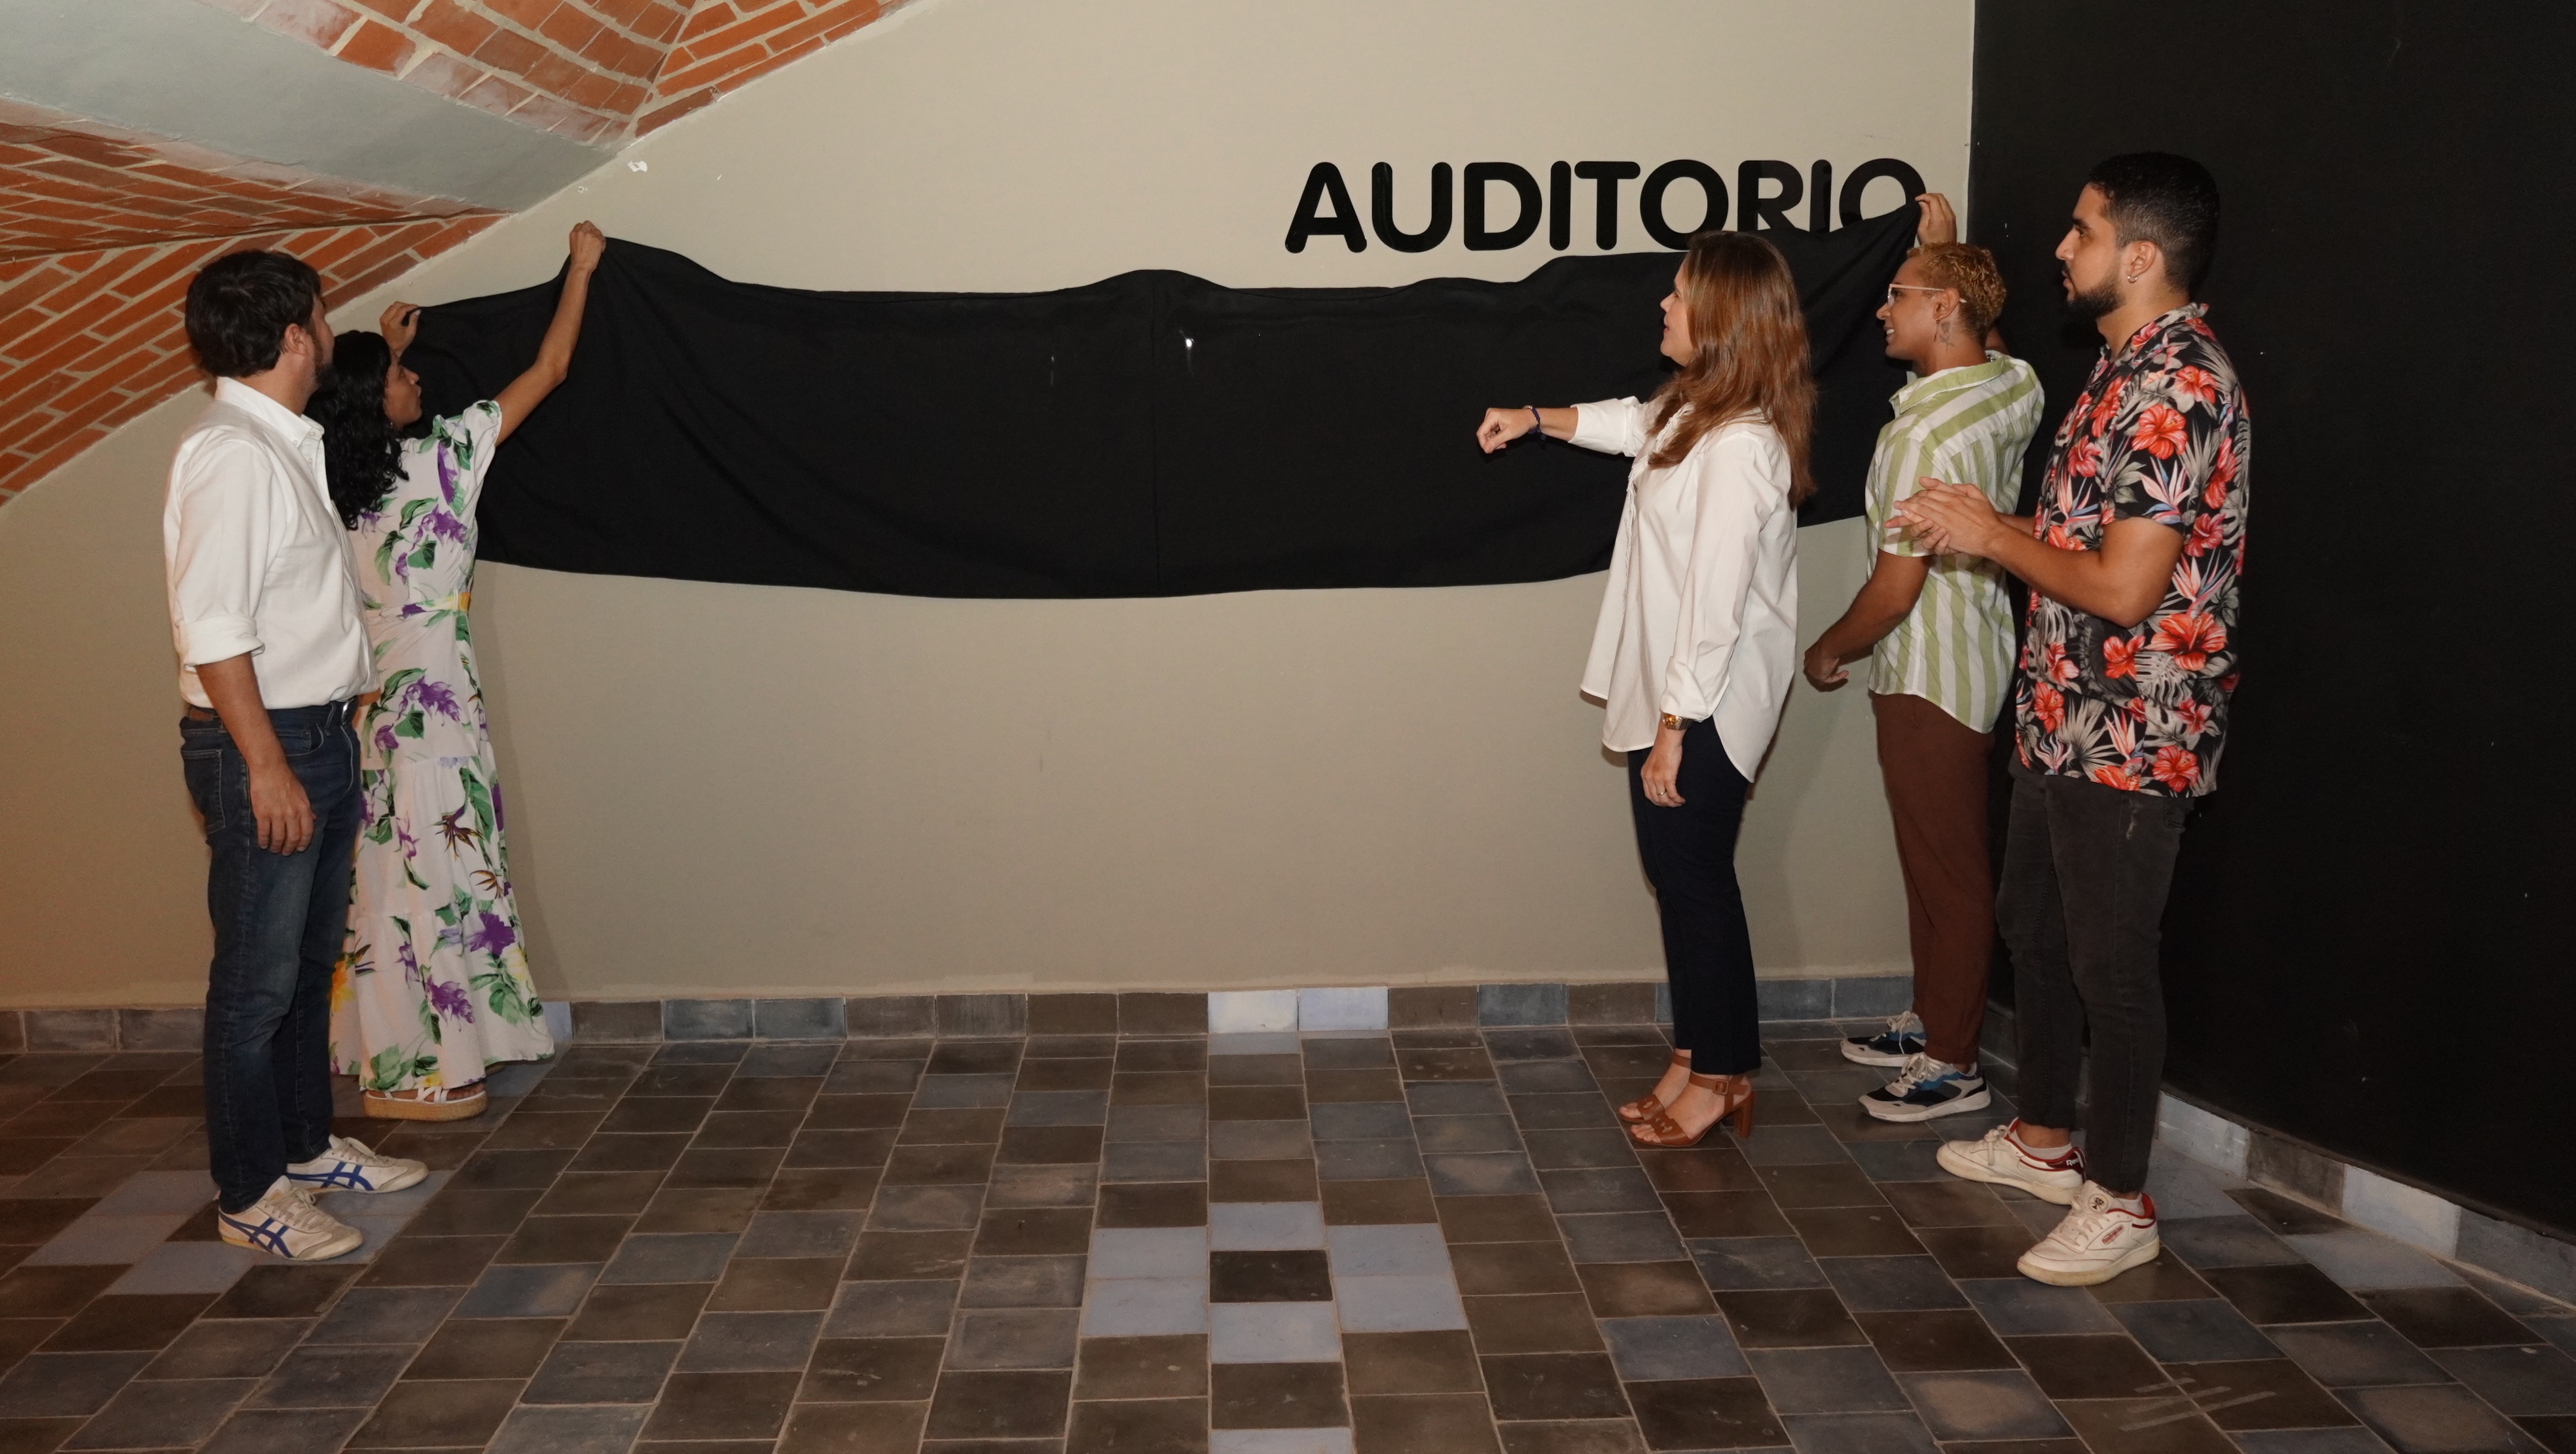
(1895, 288)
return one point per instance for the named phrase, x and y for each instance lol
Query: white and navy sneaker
(347, 1165)
(2098, 1240)
(285, 1221)
(1999, 1157)
(1928, 1088)
(1900, 1042)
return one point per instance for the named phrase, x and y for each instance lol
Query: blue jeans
(279, 919)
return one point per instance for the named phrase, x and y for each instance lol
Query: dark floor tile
(568, 1431)
(1934, 1341)
(1283, 1180)
(1727, 1214)
(1190, 1088)
(1598, 1189)
(1854, 1231)
(2017, 1305)
(2353, 1354)
(1534, 1323)
(1025, 1404)
(838, 1429)
(331, 1378)
(1377, 1203)
(1255, 1103)
(1152, 1204)
(702, 1082)
(53, 1292)
(910, 1255)
(750, 1342)
(1459, 1063)
(1154, 1426)
(1705, 1413)
(1254, 1070)
(1562, 1110)
(1161, 1161)
(875, 1149)
(175, 1413)
(749, 1167)
(928, 1209)
(1756, 1262)
(945, 1127)
(857, 1112)
(698, 1211)
(286, 1431)
(498, 1213)
(1493, 1268)
(445, 1414)
(487, 1348)
(2430, 1317)
(662, 1115)
(2293, 1294)
(2281, 1214)
(1977, 1252)
(1432, 1423)
(1554, 1386)
(2000, 1404)
(1947, 1204)
(2206, 1242)
(1620, 1237)
(619, 1153)
(935, 1165)
(1168, 1367)
(1276, 1396)
(19, 1337)
(1396, 1363)
(1495, 1219)
(59, 1385)
(777, 1284)
(1643, 1289)
(816, 1189)
(114, 1323)
(1269, 1277)
(975, 1057)
(535, 1291)
(2439, 1419)
(1788, 1318)
(2525, 1381)
(2163, 1280)
(2266, 1393)
(678, 1257)
(752, 1090)
(2086, 1365)
(2196, 1330)
(891, 1309)
(409, 1261)
(653, 1312)
(1189, 1054)
(1465, 1098)
(732, 1129)
(1885, 1284)
(1837, 1184)
(1481, 1174)
(1050, 1146)
(1826, 1381)
(246, 1348)
(1700, 1169)
(563, 1239)
(722, 1406)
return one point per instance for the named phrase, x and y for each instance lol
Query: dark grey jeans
(2082, 906)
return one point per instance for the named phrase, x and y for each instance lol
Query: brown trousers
(1936, 792)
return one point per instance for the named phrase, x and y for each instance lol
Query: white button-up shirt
(258, 561)
(1701, 616)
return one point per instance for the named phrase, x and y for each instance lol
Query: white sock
(2044, 1153)
(2135, 1204)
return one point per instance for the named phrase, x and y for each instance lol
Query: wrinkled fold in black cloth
(1153, 434)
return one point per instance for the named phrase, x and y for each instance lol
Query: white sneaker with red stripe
(2100, 1239)
(1999, 1157)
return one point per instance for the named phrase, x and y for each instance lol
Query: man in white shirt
(271, 655)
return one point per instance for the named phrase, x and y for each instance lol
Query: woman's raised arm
(554, 356)
(1502, 426)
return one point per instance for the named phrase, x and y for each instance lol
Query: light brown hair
(1748, 352)
(1970, 271)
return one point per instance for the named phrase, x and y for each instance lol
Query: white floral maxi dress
(433, 980)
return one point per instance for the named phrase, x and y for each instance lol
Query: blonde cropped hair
(1970, 270)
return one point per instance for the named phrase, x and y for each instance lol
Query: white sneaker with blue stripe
(347, 1165)
(1928, 1088)
(1901, 1041)
(285, 1221)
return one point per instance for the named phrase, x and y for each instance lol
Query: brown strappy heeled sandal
(1660, 1130)
(1636, 1112)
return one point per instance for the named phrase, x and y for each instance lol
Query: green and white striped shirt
(1971, 426)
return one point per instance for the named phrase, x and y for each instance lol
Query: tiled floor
(1429, 1241)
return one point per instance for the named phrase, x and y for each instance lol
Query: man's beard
(2088, 306)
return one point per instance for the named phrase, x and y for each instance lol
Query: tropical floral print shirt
(2160, 433)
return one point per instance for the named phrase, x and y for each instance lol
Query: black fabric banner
(1150, 435)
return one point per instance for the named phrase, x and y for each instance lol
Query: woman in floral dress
(433, 980)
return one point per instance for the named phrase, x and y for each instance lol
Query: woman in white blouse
(1697, 642)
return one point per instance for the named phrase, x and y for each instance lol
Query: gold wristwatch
(1675, 723)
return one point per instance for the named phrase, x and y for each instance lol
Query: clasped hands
(1948, 519)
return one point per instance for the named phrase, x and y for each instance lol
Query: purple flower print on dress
(451, 1001)
(445, 526)
(385, 743)
(494, 936)
(446, 475)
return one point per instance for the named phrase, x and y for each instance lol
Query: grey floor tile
(605, 1430)
(1023, 1282)
(1457, 1098)
(750, 1342)
(891, 1309)
(1750, 1263)
(2367, 1261)
(1251, 1226)
(386, 1315)
(1043, 1186)
(2193, 1330)
(2524, 1381)
(1523, 1077)
(1794, 1146)
(680, 1257)
(542, 1290)
(1987, 1405)
(1155, 1160)
(1157, 1123)
(1825, 1381)
(1260, 1140)
(1399, 1304)
(318, 1378)
(1480, 1175)
(1267, 1332)
(1016, 1338)
(1360, 1120)
(927, 1208)
(959, 1092)
(1059, 1108)
(161, 1414)
(2014, 1305)
(1621, 1237)
(1669, 1348)
(1467, 1133)
(2351, 1355)
(286, 1431)
(184, 1267)
(2309, 1441)
(2234, 1240)
(2428, 1419)
(602, 1373)
(800, 1234)
(1898, 1160)
(1156, 1252)
(1891, 1284)
(1386, 1159)
(1397, 1250)
(1599, 1189)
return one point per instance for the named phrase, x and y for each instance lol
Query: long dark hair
(1749, 352)
(361, 448)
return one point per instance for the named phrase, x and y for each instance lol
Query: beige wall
(721, 787)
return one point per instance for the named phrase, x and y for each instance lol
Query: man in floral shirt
(2133, 557)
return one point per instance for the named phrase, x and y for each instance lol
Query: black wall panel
(2368, 942)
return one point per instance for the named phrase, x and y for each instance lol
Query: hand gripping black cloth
(1150, 435)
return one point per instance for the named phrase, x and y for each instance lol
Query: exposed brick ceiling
(100, 227)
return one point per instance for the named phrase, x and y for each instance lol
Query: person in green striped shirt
(1939, 632)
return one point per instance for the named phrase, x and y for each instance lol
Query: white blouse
(1701, 615)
